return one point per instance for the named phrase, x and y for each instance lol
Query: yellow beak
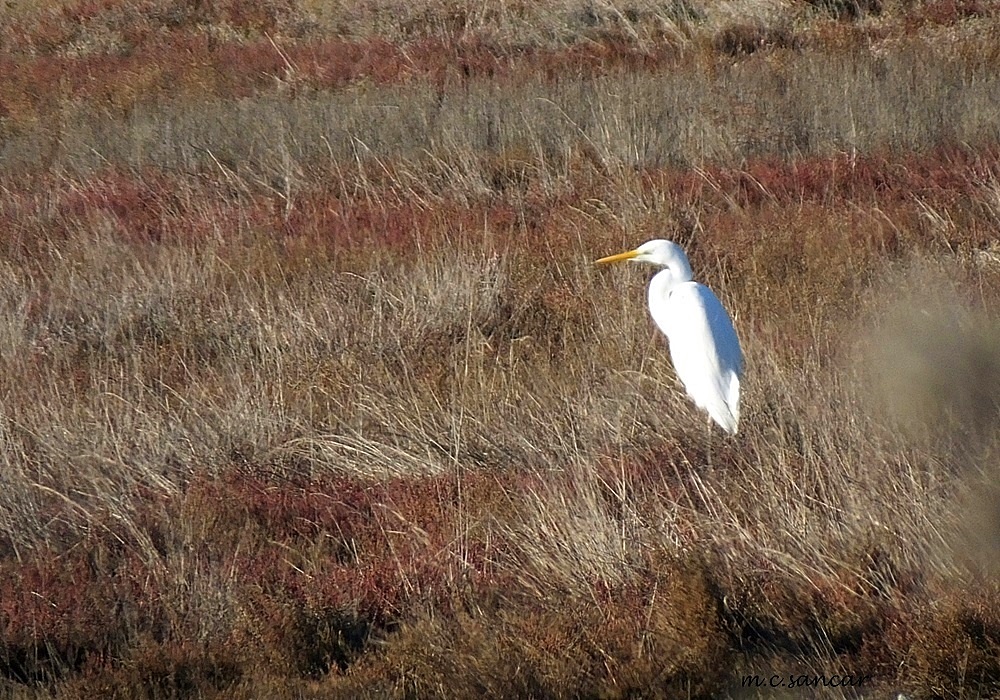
(617, 258)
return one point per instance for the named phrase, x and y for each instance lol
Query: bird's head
(657, 252)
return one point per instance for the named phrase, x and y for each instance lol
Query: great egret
(703, 344)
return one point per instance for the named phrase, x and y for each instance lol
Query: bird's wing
(704, 348)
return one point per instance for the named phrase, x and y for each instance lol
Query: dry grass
(502, 121)
(311, 390)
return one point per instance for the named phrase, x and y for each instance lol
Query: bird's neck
(661, 284)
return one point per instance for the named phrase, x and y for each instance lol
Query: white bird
(703, 344)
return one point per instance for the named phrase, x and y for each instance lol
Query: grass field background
(310, 388)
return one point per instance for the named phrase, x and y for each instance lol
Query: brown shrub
(950, 642)
(745, 39)
(849, 9)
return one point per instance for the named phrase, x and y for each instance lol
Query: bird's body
(703, 344)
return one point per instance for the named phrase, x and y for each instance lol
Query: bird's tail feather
(733, 401)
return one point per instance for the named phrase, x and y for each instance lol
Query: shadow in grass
(35, 665)
(326, 639)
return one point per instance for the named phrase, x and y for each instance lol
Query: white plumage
(703, 344)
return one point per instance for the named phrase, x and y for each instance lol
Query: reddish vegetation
(385, 551)
(946, 172)
(73, 608)
(180, 67)
(155, 206)
(156, 53)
